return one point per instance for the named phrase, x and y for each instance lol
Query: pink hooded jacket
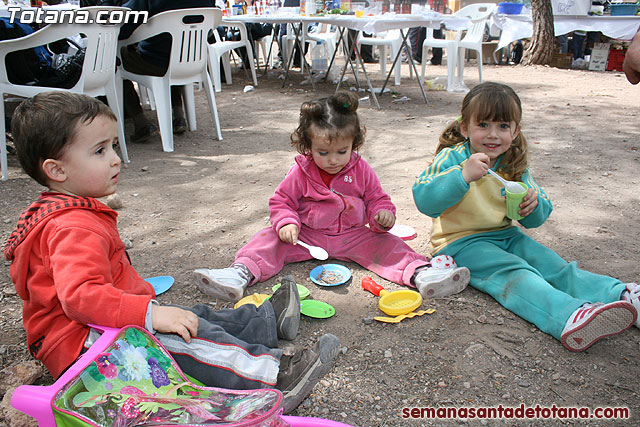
(354, 198)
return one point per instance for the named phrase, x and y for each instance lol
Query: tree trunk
(540, 49)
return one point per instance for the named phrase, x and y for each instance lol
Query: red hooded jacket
(70, 268)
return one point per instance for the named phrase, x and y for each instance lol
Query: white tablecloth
(515, 27)
(369, 24)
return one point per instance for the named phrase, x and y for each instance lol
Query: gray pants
(234, 349)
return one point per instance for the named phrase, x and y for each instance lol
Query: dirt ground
(197, 206)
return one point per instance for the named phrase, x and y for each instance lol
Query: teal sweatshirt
(459, 209)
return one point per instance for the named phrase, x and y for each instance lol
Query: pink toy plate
(405, 232)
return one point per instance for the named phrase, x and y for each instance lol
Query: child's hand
(385, 219)
(174, 320)
(476, 167)
(289, 233)
(529, 203)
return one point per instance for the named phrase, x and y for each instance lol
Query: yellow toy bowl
(399, 302)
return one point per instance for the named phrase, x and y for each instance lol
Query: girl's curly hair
(496, 102)
(336, 115)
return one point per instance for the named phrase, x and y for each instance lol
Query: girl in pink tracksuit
(327, 199)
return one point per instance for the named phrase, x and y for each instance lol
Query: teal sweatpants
(530, 279)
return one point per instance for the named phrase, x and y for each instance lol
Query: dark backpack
(37, 66)
(24, 66)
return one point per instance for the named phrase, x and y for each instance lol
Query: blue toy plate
(330, 275)
(161, 284)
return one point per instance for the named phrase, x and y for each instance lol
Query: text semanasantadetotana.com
(517, 412)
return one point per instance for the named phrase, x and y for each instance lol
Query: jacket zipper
(343, 208)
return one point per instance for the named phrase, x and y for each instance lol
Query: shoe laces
(633, 291)
(243, 271)
(583, 311)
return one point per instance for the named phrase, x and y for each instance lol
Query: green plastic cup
(514, 200)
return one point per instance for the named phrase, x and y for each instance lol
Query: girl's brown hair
(495, 102)
(336, 115)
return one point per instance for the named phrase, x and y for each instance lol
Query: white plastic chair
(321, 33)
(187, 65)
(478, 13)
(393, 39)
(98, 70)
(263, 44)
(221, 51)
(450, 47)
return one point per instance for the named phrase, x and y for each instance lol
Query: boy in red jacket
(68, 260)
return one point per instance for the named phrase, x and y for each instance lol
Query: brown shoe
(300, 372)
(143, 133)
(179, 126)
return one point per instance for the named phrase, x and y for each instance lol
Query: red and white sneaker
(592, 322)
(632, 295)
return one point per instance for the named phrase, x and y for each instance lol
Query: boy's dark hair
(42, 126)
(335, 114)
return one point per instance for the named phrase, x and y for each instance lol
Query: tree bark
(540, 49)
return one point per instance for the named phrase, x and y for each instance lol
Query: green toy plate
(302, 290)
(317, 309)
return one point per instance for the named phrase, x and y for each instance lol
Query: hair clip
(459, 119)
(345, 105)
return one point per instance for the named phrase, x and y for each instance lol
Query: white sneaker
(438, 283)
(225, 283)
(632, 295)
(592, 322)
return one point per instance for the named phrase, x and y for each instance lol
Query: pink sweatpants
(385, 254)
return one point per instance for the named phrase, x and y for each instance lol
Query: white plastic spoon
(315, 251)
(512, 186)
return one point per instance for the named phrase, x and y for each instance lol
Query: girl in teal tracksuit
(470, 224)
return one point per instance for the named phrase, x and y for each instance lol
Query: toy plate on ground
(405, 232)
(399, 302)
(255, 299)
(317, 309)
(330, 275)
(302, 290)
(161, 284)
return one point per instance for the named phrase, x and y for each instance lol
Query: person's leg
(219, 358)
(260, 259)
(281, 33)
(566, 276)
(592, 37)
(563, 40)
(366, 50)
(133, 62)
(248, 323)
(436, 52)
(503, 272)
(385, 254)
(179, 121)
(416, 43)
(577, 43)
(265, 255)
(516, 285)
